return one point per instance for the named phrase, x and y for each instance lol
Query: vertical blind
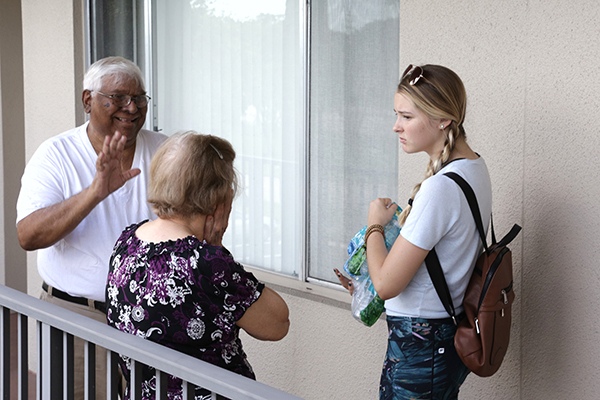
(234, 69)
(354, 73)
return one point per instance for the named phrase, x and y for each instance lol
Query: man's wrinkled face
(106, 118)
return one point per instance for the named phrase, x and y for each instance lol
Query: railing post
(51, 363)
(5, 353)
(90, 371)
(188, 391)
(162, 382)
(112, 375)
(38, 389)
(22, 358)
(68, 366)
(135, 376)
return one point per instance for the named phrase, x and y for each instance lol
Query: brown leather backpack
(483, 333)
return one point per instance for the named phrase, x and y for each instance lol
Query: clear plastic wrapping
(367, 306)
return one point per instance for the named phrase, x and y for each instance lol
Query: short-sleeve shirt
(183, 294)
(440, 217)
(62, 167)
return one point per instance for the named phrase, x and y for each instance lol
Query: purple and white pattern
(183, 294)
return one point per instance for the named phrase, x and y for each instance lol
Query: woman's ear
(444, 123)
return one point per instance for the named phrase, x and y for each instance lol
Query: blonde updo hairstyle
(439, 94)
(191, 174)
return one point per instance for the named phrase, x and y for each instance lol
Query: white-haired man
(81, 188)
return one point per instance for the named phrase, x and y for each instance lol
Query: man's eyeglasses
(413, 73)
(123, 100)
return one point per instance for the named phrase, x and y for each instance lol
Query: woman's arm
(267, 317)
(390, 272)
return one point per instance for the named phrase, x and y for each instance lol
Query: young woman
(421, 362)
(171, 280)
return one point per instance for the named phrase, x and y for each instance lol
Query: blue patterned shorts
(421, 361)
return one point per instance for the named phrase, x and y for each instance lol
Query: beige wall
(52, 66)
(13, 271)
(532, 72)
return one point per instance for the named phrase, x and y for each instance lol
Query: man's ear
(86, 99)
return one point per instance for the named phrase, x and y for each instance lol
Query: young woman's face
(417, 132)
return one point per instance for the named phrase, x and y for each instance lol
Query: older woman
(171, 280)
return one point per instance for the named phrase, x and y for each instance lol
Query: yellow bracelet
(374, 228)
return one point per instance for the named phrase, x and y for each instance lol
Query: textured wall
(12, 142)
(327, 354)
(561, 278)
(532, 75)
(51, 99)
(52, 64)
(532, 72)
(485, 44)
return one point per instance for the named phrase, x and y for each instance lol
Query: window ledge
(323, 293)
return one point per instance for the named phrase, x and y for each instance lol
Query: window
(303, 91)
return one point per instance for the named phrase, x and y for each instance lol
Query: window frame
(142, 26)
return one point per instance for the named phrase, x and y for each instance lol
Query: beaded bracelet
(374, 228)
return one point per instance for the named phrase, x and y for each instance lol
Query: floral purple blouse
(184, 294)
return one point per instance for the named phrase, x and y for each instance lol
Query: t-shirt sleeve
(235, 288)
(41, 184)
(435, 210)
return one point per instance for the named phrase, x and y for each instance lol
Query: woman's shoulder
(466, 167)
(475, 172)
(437, 185)
(129, 232)
(443, 188)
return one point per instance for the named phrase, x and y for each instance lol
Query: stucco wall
(327, 354)
(12, 142)
(50, 60)
(532, 72)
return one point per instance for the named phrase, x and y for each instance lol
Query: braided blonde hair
(439, 94)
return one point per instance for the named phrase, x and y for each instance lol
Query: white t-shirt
(62, 167)
(440, 217)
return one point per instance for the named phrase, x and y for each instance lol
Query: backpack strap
(508, 238)
(432, 262)
(470, 195)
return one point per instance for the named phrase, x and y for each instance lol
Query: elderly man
(81, 188)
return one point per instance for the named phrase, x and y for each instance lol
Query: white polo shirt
(62, 167)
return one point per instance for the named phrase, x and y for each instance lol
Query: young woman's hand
(346, 282)
(381, 211)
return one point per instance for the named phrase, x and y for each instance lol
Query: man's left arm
(46, 226)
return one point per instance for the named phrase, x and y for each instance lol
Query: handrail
(190, 369)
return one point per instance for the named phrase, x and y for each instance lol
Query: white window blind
(354, 73)
(234, 69)
(308, 111)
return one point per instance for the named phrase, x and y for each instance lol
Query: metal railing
(56, 328)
